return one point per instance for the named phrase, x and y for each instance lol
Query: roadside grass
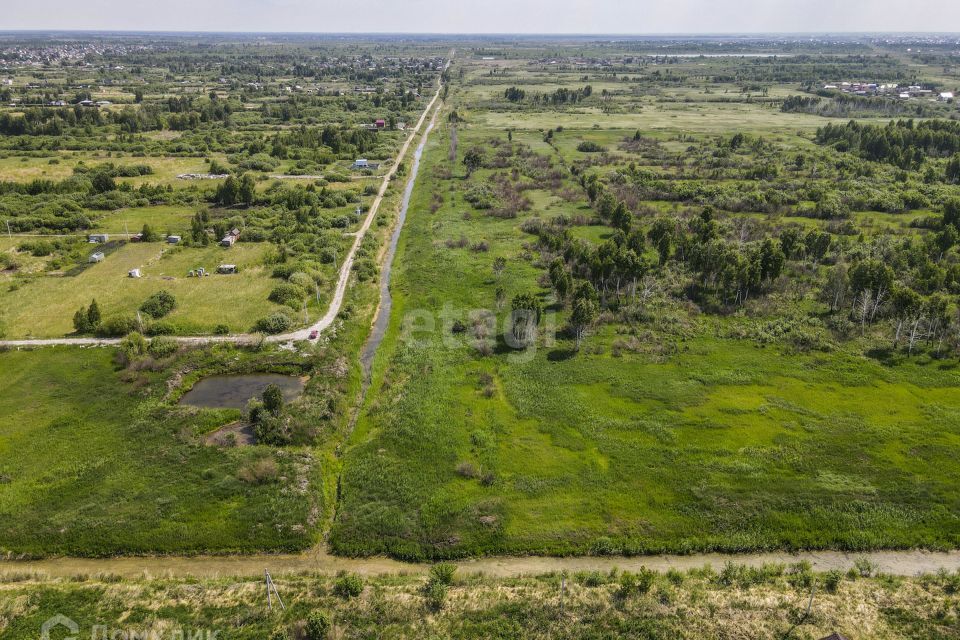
(732, 601)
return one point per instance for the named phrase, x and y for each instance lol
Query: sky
(487, 16)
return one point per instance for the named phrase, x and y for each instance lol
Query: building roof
(834, 636)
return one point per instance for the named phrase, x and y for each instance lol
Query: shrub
(161, 328)
(162, 347)
(589, 147)
(115, 327)
(317, 626)
(221, 330)
(259, 472)
(635, 583)
(435, 594)
(864, 567)
(288, 294)
(277, 322)
(831, 580)
(348, 585)
(159, 304)
(443, 572)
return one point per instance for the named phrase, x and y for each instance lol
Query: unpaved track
(902, 563)
(301, 334)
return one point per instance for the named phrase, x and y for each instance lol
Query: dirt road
(903, 563)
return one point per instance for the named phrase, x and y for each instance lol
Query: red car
(313, 334)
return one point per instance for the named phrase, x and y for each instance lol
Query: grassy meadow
(675, 430)
(43, 307)
(93, 461)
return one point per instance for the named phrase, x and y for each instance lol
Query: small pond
(233, 392)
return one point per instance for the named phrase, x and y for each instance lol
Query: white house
(97, 257)
(946, 95)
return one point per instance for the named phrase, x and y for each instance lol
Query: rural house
(98, 238)
(97, 257)
(230, 238)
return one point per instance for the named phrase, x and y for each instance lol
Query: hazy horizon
(524, 17)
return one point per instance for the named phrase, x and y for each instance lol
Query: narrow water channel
(382, 321)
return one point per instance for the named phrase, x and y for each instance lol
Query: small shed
(946, 96)
(134, 273)
(227, 268)
(97, 257)
(98, 238)
(361, 163)
(380, 123)
(173, 239)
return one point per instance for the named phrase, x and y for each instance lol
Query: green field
(94, 462)
(43, 307)
(678, 427)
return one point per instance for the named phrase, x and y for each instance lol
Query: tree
(906, 304)
(560, 279)
(226, 194)
(661, 235)
(93, 315)
(789, 241)
(771, 260)
(273, 399)
(952, 171)
(817, 243)
(103, 182)
(472, 160)
(836, 287)
(951, 212)
(621, 218)
(80, 322)
(147, 234)
(584, 314)
(525, 317)
(247, 191)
